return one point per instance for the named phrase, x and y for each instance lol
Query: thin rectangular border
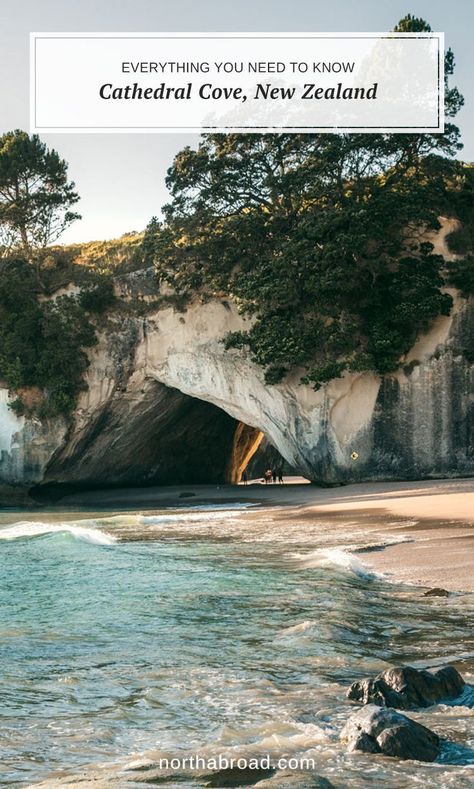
(236, 129)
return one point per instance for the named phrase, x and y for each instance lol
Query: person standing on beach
(245, 478)
(274, 476)
(280, 475)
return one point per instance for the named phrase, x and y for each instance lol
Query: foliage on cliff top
(43, 342)
(114, 255)
(461, 241)
(36, 202)
(318, 237)
(82, 263)
(44, 336)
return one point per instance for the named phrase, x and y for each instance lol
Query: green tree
(148, 247)
(317, 237)
(42, 342)
(35, 195)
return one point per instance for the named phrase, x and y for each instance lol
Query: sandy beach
(435, 518)
(437, 521)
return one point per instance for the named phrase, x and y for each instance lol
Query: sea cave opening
(160, 437)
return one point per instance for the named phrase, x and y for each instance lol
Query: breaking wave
(335, 557)
(25, 530)
(188, 517)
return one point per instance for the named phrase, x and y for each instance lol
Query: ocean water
(125, 636)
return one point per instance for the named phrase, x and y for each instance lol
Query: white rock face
(339, 432)
(417, 422)
(331, 434)
(186, 352)
(26, 445)
(9, 423)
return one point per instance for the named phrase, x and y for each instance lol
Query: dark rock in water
(186, 495)
(364, 742)
(376, 730)
(264, 777)
(227, 777)
(436, 592)
(406, 688)
(291, 779)
(452, 684)
(234, 776)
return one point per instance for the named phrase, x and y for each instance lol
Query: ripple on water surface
(218, 630)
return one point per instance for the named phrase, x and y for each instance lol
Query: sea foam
(27, 529)
(302, 629)
(335, 557)
(188, 517)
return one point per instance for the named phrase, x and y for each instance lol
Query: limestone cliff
(164, 401)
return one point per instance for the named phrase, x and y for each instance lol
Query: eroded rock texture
(407, 688)
(375, 730)
(129, 429)
(160, 437)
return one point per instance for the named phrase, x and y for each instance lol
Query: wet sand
(435, 517)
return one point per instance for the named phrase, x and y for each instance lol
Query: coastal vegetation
(43, 342)
(320, 238)
(44, 336)
(36, 197)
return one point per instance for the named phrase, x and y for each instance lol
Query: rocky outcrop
(26, 445)
(295, 779)
(247, 441)
(407, 688)
(122, 434)
(437, 591)
(164, 397)
(375, 730)
(416, 423)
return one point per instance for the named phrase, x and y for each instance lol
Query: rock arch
(169, 371)
(162, 437)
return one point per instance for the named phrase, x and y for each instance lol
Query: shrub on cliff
(461, 241)
(318, 237)
(98, 295)
(41, 342)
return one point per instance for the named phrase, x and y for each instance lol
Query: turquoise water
(134, 633)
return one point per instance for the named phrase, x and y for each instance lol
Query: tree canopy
(36, 196)
(319, 237)
(42, 343)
